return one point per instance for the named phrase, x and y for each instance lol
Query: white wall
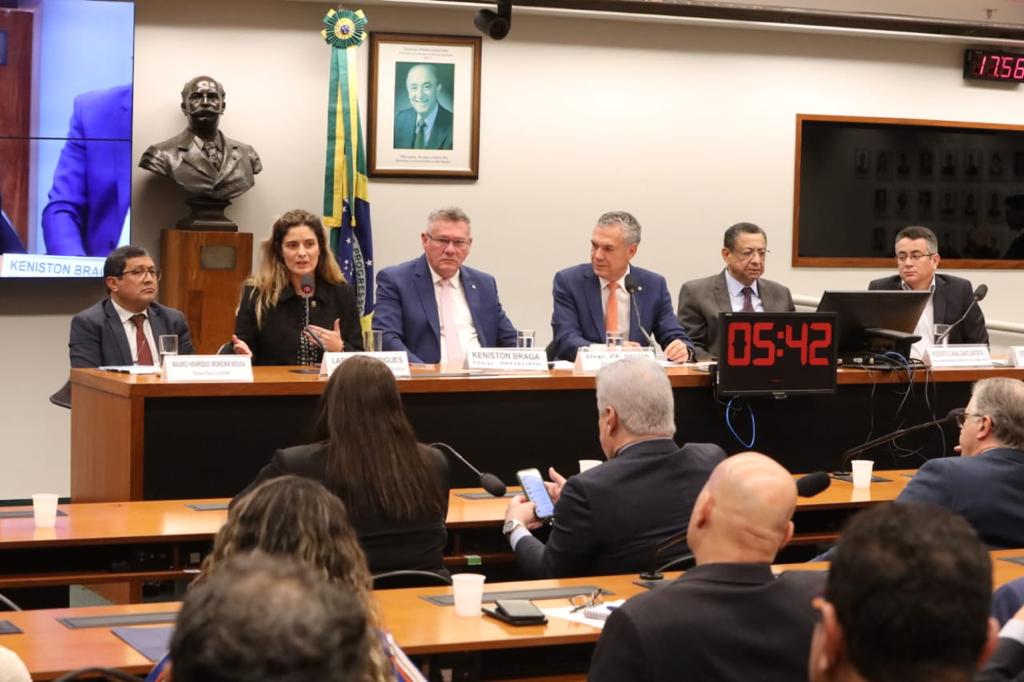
(690, 129)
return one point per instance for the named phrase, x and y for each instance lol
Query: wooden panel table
(422, 629)
(138, 437)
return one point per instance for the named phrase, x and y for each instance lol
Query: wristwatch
(511, 525)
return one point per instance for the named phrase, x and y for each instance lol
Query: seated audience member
(1007, 662)
(740, 287)
(610, 518)
(591, 299)
(395, 489)
(299, 518)
(434, 307)
(985, 484)
(730, 618)
(907, 600)
(123, 329)
(270, 619)
(11, 667)
(917, 257)
(277, 324)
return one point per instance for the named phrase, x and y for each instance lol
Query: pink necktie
(450, 330)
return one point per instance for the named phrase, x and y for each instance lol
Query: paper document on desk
(581, 616)
(132, 369)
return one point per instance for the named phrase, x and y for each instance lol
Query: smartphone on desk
(517, 612)
(533, 488)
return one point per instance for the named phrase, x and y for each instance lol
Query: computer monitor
(872, 322)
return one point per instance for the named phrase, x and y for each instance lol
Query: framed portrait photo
(424, 113)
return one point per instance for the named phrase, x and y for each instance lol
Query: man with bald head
(425, 124)
(730, 617)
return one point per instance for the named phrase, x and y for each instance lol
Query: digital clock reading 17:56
(990, 65)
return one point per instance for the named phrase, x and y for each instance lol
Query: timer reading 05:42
(765, 343)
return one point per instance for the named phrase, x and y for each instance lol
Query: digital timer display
(988, 65)
(772, 353)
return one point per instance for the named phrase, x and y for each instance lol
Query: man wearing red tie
(598, 297)
(123, 328)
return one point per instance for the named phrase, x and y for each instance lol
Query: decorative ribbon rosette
(344, 28)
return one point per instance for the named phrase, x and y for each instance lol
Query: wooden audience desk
(138, 437)
(422, 629)
(117, 542)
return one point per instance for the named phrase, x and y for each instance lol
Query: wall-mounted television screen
(65, 135)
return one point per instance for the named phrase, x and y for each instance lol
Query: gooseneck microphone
(632, 287)
(306, 284)
(488, 482)
(889, 437)
(806, 486)
(979, 295)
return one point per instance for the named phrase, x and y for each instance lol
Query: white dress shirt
(925, 324)
(624, 300)
(735, 288)
(129, 331)
(463, 317)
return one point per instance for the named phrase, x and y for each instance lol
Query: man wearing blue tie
(594, 298)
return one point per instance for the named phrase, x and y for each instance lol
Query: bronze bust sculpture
(202, 160)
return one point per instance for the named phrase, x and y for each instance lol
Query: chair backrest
(62, 398)
(98, 673)
(394, 579)
(226, 349)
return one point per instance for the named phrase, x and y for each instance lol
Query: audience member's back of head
(911, 586)
(639, 391)
(269, 619)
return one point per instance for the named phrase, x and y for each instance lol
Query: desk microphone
(889, 437)
(632, 287)
(806, 486)
(306, 283)
(488, 482)
(979, 295)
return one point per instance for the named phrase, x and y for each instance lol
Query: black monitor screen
(859, 310)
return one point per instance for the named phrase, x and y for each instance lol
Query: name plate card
(958, 355)
(593, 358)
(207, 368)
(1016, 358)
(397, 361)
(508, 359)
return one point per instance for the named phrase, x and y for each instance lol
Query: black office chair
(226, 349)
(391, 580)
(62, 398)
(8, 604)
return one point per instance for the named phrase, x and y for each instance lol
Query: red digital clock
(776, 353)
(990, 65)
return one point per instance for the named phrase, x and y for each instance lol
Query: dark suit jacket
(987, 490)
(406, 310)
(1007, 600)
(277, 341)
(951, 298)
(440, 134)
(178, 158)
(578, 316)
(389, 545)
(610, 518)
(701, 300)
(92, 183)
(720, 622)
(98, 338)
(1007, 663)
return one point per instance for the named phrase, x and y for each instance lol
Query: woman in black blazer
(395, 489)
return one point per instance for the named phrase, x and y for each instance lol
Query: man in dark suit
(123, 329)
(92, 190)
(591, 299)
(610, 518)
(907, 599)
(426, 124)
(985, 484)
(917, 256)
(740, 287)
(202, 159)
(729, 618)
(434, 307)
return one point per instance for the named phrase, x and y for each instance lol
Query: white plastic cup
(373, 341)
(469, 593)
(44, 510)
(862, 472)
(586, 464)
(526, 338)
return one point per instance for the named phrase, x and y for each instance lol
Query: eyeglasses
(962, 418)
(916, 255)
(585, 601)
(445, 243)
(140, 273)
(747, 254)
